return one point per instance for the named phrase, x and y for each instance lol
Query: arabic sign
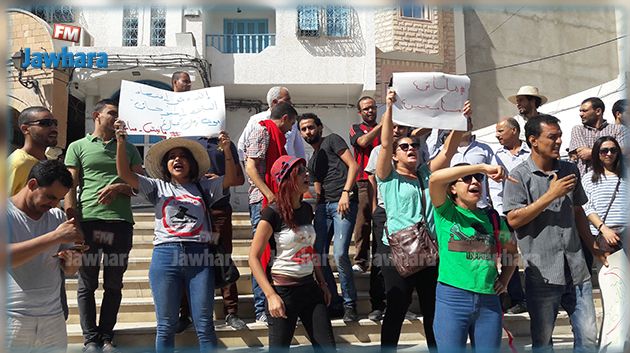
(615, 289)
(148, 110)
(430, 99)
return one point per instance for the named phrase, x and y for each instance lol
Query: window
(130, 27)
(245, 35)
(54, 14)
(415, 11)
(332, 21)
(158, 26)
(308, 21)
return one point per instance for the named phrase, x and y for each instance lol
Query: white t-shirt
(34, 287)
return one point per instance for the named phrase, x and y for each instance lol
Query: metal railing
(241, 43)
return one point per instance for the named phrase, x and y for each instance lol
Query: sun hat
(282, 165)
(528, 91)
(153, 161)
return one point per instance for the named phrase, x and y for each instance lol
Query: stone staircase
(135, 329)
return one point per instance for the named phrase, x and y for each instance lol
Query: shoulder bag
(602, 244)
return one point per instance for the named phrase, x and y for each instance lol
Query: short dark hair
(177, 74)
(362, 99)
(194, 166)
(280, 109)
(48, 171)
(310, 116)
(596, 103)
(100, 105)
(29, 113)
(532, 127)
(620, 106)
(514, 124)
(538, 101)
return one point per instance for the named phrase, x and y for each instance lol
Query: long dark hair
(598, 166)
(288, 187)
(194, 167)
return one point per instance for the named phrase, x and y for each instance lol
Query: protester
(527, 100)
(403, 185)
(294, 286)
(104, 210)
(469, 240)
(38, 249)
(544, 207)
(333, 171)
(619, 112)
(176, 181)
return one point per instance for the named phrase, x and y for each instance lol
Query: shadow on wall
(352, 45)
(484, 91)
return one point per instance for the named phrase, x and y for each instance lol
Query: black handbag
(225, 270)
(412, 248)
(601, 242)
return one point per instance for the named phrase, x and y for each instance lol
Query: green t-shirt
(403, 202)
(96, 162)
(467, 247)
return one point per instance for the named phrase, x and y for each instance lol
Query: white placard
(148, 110)
(430, 99)
(615, 289)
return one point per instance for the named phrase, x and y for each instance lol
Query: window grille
(158, 26)
(130, 27)
(331, 21)
(54, 14)
(308, 21)
(338, 21)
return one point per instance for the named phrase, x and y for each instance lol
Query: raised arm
(441, 179)
(443, 158)
(122, 162)
(230, 178)
(384, 160)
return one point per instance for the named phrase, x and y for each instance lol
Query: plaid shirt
(256, 146)
(585, 136)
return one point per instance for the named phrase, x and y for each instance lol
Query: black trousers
(377, 283)
(305, 301)
(110, 243)
(399, 292)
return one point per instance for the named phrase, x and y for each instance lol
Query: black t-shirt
(326, 167)
(302, 216)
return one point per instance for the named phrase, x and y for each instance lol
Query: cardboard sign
(430, 99)
(615, 289)
(148, 110)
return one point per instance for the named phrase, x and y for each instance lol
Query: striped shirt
(506, 159)
(585, 136)
(599, 196)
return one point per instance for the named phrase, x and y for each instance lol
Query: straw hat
(528, 91)
(156, 153)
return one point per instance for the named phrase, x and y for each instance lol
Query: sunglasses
(468, 178)
(604, 151)
(405, 146)
(48, 122)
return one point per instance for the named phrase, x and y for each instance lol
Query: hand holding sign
(431, 100)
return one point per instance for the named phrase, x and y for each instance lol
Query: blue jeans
(330, 225)
(175, 266)
(543, 301)
(460, 313)
(259, 295)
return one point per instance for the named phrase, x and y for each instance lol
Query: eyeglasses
(405, 146)
(48, 122)
(604, 151)
(468, 178)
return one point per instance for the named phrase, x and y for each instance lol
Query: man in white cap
(527, 101)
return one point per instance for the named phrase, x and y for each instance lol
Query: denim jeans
(259, 295)
(36, 334)
(175, 266)
(543, 301)
(329, 225)
(460, 314)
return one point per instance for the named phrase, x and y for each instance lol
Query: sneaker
(235, 322)
(376, 315)
(517, 309)
(262, 319)
(411, 316)
(182, 324)
(357, 268)
(350, 314)
(109, 347)
(91, 347)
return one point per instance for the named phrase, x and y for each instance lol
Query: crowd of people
(486, 212)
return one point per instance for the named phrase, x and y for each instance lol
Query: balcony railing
(240, 43)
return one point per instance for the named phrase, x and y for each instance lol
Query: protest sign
(148, 110)
(615, 290)
(430, 99)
